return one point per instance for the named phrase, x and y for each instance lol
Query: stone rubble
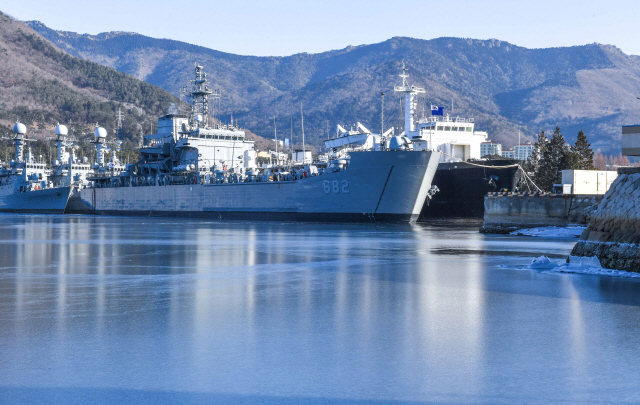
(613, 234)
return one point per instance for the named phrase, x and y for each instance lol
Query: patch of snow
(585, 261)
(542, 263)
(551, 232)
(578, 265)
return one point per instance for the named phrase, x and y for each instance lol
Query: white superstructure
(198, 145)
(454, 136)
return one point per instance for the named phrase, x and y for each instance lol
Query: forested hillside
(505, 87)
(42, 85)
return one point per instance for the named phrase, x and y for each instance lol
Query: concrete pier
(508, 212)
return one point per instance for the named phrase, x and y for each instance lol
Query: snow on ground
(551, 232)
(578, 265)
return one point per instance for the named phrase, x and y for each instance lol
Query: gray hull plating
(47, 201)
(377, 186)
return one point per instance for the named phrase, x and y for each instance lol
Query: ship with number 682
(191, 168)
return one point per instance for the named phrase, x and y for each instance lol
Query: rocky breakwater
(613, 234)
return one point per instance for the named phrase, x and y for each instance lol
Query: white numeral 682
(335, 186)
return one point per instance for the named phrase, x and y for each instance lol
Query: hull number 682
(336, 187)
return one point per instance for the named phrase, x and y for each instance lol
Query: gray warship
(25, 186)
(191, 168)
(69, 170)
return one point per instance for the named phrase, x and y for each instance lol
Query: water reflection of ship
(25, 185)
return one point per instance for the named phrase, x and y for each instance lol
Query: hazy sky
(286, 27)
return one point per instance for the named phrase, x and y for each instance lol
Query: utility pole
(119, 117)
(382, 116)
(275, 132)
(141, 67)
(304, 150)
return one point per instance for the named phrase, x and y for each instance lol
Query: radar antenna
(409, 101)
(199, 97)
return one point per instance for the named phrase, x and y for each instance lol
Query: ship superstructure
(455, 137)
(187, 145)
(462, 179)
(25, 184)
(68, 170)
(197, 168)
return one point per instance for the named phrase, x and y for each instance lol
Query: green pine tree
(531, 164)
(555, 157)
(584, 153)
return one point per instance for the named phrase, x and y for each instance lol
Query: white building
(509, 153)
(523, 151)
(302, 157)
(490, 148)
(587, 181)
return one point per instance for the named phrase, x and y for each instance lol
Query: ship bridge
(453, 136)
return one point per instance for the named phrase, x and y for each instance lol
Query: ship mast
(304, 153)
(275, 133)
(409, 102)
(199, 96)
(19, 129)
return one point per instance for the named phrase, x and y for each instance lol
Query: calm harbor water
(164, 311)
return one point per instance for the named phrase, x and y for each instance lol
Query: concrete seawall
(613, 234)
(507, 212)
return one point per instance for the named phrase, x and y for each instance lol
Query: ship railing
(293, 173)
(437, 118)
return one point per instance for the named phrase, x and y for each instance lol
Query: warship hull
(376, 187)
(46, 201)
(463, 187)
